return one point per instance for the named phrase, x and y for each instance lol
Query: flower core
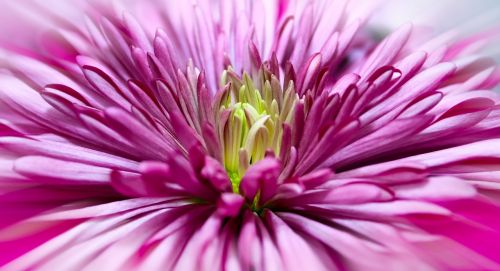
(251, 120)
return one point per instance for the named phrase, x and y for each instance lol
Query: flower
(245, 135)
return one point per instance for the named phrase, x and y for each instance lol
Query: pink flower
(244, 135)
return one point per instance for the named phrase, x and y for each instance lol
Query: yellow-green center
(255, 121)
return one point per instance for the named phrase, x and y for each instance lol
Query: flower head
(245, 135)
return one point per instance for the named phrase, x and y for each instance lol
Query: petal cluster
(245, 135)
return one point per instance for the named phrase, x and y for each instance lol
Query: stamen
(255, 123)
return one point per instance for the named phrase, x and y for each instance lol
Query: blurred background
(464, 17)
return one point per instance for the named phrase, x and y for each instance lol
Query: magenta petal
(261, 178)
(68, 173)
(229, 204)
(215, 174)
(296, 253)
(437, 189)
(316, 178)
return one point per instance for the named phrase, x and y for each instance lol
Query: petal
(67, 173)
(262, 178)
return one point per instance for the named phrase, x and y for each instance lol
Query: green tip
(235, 181)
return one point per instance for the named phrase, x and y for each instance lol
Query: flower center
(251, 120)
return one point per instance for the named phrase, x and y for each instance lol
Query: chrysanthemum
(244, 135)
